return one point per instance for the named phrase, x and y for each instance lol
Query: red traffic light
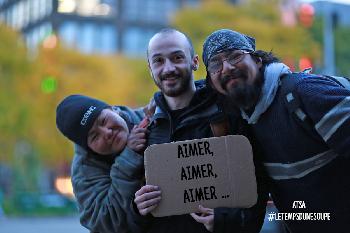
(306, 14)
(305, 63)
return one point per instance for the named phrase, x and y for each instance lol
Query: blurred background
(53, 48)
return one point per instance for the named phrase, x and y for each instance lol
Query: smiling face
(109, 133)
(171, 63)
(238, 77)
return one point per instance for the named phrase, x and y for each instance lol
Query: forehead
(165, 44)
(225, 54)
(105, 112)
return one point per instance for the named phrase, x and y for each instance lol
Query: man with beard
(184, 110)
(309, 167)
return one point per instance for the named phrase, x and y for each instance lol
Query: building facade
(91, 26)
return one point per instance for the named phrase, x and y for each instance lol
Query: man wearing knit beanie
(107, 168)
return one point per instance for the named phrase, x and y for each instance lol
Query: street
(72, 225)
(41, 225)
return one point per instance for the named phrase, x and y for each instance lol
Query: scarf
(272, 75)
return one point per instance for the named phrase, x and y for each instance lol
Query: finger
(140, 147)
(147, 196)
(204, 210)
(140, 141)
(145, 189)
(198, 218)
(140, 130)
(140, 135)
(147, 210)
(149, 203)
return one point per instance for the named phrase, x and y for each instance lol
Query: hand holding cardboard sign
(147, 199)
(205, 216)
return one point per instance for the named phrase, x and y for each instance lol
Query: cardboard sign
(213, 172)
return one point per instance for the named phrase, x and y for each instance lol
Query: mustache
(232, 75)
(169, 75)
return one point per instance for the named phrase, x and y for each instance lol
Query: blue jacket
(309, 166)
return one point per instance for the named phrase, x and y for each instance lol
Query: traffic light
(304, 63)
(306, 15)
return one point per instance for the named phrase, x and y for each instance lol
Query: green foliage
(14, 67)
(264, 24)
(36, 204)
(341, 45)
(342, 51)
(31, 89)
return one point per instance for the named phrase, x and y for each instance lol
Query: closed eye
(104, 120)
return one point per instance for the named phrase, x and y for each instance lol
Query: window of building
(150, 10)
(20, 14)
(107, 39)
(45, 8)
(26, 13)
(8, 16)
(35, 10)
(86, 39)
(68, 33)
(135, 41)
(14, 12)
(132, 10)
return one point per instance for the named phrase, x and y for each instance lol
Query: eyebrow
(172, 53)
(224, 54)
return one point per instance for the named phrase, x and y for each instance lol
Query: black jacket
(193, 122)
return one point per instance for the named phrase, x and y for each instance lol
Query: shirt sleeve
(104, 192)
(327, 104)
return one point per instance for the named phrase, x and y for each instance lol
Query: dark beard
(185, 84)
(245, 96)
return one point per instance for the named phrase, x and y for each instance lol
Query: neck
(181, 101)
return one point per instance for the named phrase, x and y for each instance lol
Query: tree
(114, 80)
(30, 90)
(264, 24)
(14, 66)
(341, 45)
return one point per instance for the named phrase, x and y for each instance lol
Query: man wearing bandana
(306, 167)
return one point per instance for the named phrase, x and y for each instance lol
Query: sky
(340, 1)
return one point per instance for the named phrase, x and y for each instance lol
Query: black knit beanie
(75, 116)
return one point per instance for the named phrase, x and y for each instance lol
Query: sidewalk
(42, 225)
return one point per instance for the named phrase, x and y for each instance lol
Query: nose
(168, 67)
(227, 67)
(106, 132)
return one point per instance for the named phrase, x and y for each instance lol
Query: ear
(259, 62)
(195, 62)
(150, 70)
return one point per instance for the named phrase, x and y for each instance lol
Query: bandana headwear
(223, 40)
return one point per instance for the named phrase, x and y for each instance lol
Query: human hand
(147, 199)
(137, 139)
(150, 108)
(205, 216)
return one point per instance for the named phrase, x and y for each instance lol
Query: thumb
(204, 210)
